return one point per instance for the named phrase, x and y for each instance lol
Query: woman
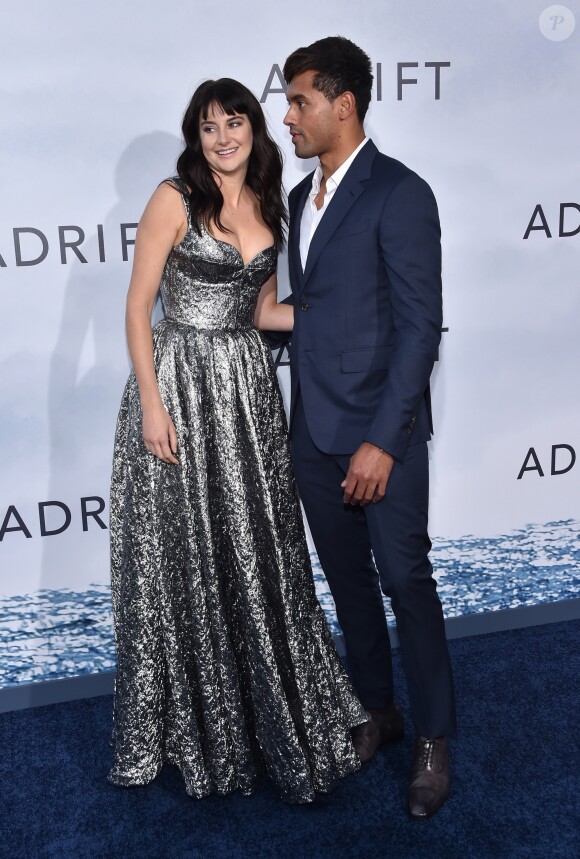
(225, 665)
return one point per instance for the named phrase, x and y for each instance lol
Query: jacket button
(304, 307)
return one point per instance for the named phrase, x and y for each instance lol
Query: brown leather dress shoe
(383, 726)
(429, 787)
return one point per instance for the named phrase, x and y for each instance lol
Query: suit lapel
(349, 190)
(294, 236)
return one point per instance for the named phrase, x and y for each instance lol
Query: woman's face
(226, 140)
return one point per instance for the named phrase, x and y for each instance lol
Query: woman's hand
(159, 434)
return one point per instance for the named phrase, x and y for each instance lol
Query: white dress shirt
(311, 216)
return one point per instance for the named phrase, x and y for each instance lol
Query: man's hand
(368, 473)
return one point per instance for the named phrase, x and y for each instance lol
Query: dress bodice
(205, 282)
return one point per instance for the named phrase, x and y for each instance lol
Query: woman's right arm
(162, 225)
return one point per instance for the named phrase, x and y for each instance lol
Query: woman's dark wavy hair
(264, 174)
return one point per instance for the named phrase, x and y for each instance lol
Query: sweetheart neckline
(238, 251)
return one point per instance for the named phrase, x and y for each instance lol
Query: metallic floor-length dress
(225, 664)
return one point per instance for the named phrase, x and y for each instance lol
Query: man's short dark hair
(340, 66)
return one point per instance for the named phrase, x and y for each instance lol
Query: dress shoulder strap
(179, 185)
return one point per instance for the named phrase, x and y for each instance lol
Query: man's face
(313, 120)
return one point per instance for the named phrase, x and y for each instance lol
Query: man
(365, 270)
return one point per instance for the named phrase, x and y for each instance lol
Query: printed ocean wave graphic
(53, 634)
(538, 564)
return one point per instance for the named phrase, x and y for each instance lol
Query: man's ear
(346, 105)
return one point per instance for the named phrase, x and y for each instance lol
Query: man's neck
(331, 161)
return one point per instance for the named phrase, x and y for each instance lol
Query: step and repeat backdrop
(479, 98)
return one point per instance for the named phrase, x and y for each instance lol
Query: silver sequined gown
(225, 664)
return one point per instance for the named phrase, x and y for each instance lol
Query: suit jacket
(368, 309)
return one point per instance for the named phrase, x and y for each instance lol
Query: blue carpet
(516, 784)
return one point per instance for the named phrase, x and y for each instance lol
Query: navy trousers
(394, 533)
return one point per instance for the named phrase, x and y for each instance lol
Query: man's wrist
(382, 450)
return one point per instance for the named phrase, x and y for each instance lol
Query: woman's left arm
(269, 315)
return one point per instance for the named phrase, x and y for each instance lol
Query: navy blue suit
(366, 332)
